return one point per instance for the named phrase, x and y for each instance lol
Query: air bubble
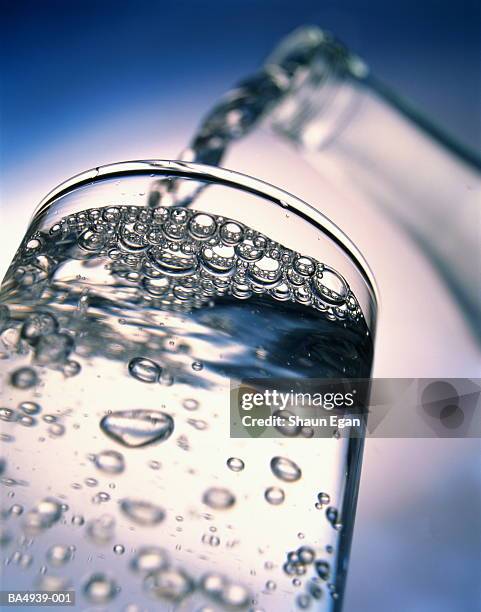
(30, 408)
(190, 404)
(285, 469)
(101, 498)
(71, 368)
(100, 589)
(56, 429)
(24, 378)
(59, 555)
(306, 554)
(218, 498)
(150, 559)
(45, 514)
(274, 495)
(202, 225)
(231, 232)
(110, 462)
(323, 498)
(142, 512)
(145, 370)
(235, 464)
(169, 584)
(8, 415)
(303, 601)
(323, 570)
(136, 428)
(37, 325)
(332, 516)
(99, 530)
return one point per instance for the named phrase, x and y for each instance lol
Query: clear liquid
(149, 316)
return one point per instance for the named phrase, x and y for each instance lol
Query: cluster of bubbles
(182, 258)
(27, 415)
(297, 564)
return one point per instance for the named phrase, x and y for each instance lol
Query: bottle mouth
(168, 169)
(320, 100)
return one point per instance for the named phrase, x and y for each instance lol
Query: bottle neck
(337, 115)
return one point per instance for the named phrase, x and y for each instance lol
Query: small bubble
(274, 495)
(56, 429)
(271, 585)
(43, 515)
(51, 583)
(285, 469)
(59, 555)
(100, 588)
(306, 554)
(323, 570)
(332, 516)
(101, 529)
(235, 596)
(29, 408)
(155, 465)
(142, 512)
(323, 498)
(303, 601)
(119, 549)
(71, 368)
(166, 379)
(27, 421)
(37, 325)
(109, 462)
(198, 424)
(235, 464)
(144, 369)
(23, 560)
(16, 509)
(77, 520)
(8, 415)
(183, 443)
(190, 404)
(218, 498)
(24, 378)
(150, 559)
(210, 540)
(197, 366)
(91, 482)
(100, 498)
(169, 584)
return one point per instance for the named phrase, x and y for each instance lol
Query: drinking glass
(124, 318)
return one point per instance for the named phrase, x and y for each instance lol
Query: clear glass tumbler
(122, 326)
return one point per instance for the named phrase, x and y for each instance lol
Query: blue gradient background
(70, 65)
(92, 82)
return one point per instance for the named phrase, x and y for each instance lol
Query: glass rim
(226, 177)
